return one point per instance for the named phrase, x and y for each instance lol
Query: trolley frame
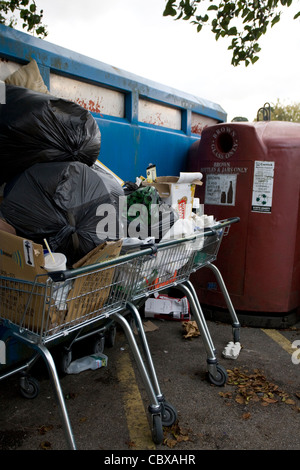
(146, 272)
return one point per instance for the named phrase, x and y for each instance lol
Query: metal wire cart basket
(66, 306)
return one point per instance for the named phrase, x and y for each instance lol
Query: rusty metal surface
(95, 99)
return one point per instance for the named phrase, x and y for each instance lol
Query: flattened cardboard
(5, 227)
(91, 291)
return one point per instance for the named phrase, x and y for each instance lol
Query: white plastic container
(59, 263)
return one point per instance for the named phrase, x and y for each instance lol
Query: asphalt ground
(256, 410)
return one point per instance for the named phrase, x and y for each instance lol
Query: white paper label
(262, 192)
(220, 189)
(28, 253)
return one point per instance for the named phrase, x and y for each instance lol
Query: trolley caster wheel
(98, 347)
(111, 336)
(157, 429)
(169, 414)
(221, 377)
(66, 361)
(29, 387)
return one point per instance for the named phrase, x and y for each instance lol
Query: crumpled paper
(191, 329)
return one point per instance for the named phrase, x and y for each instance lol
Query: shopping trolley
(171, 266)
(205, 259)
(58, 305)
(78, 302)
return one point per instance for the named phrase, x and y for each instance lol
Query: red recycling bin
(252, 171)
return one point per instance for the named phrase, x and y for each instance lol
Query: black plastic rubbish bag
(37, 127)
(74, 206)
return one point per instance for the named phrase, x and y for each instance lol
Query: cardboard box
(91, 291)
(21, 260)
(178, 192)
(23, 302)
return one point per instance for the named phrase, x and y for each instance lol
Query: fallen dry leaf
(191, 329)
(44, 429)
(289, 401)
(254, 387)
(175, 434)
(46, 445)
(131, 444)
(225, 394)
(183, 438)
(269, 400)
(170, 442)
(239, 399)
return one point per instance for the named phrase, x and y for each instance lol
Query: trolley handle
(59, 276)
(222, 224)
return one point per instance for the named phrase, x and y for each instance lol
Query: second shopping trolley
(170, 265)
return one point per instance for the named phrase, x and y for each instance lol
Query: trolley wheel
(29, 387)
(66, 360)
(99, 343)
(111, 336)
(221, 377)
(157, 429)
(169, 414)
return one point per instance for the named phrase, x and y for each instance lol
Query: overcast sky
(134, 36)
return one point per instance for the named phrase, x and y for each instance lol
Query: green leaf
(232, 31)
(170, 10)
(297, 15)
(254, 59)
(249, 17)
(275, 20)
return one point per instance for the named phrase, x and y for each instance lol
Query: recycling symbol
(262, 199)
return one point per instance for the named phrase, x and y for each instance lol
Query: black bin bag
(74, 206)
(37, 127)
